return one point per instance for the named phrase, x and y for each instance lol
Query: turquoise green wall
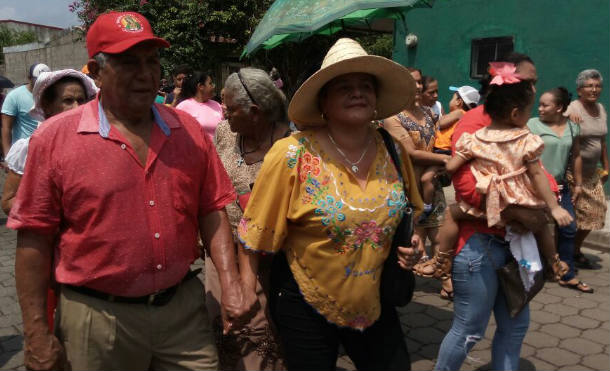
(563, 37)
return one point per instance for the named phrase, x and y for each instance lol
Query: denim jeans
(565, 235)
(477, 293)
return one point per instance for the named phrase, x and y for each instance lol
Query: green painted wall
(563, 37)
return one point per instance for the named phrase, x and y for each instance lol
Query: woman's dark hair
(50, 93)
(181, 69)
(503, 98)
(189, 87)
(561, 96)
(426, 81)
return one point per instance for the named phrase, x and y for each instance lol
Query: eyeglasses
(246, 89)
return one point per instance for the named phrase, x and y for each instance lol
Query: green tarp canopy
(295, 20)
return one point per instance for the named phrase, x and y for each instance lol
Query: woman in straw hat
(328, 200)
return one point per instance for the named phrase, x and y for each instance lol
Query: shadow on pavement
(9, 347)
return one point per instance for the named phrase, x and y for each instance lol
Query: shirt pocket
(185, 193)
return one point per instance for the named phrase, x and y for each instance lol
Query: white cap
(468, 94)
(37, 69)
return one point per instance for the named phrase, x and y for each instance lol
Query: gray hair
(270, 99)
(588, 75)
(101, 58)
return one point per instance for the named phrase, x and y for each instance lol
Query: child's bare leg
(427, 184)
(546, 246)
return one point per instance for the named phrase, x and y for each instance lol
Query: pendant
(240, 161)
(355, 168)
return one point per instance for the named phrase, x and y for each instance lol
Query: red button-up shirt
(464, 181)
(122, 228)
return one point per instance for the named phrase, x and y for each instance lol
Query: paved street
(568, 330)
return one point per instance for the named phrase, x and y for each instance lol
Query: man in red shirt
(115, 195)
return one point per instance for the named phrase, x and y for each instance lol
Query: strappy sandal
(446, 294)
(580, 286)
(425, 267)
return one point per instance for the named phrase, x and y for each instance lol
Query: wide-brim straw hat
(395, 86)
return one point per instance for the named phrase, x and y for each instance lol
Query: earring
(374, 114)
(322, 116)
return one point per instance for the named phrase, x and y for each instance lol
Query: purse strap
(389, 144)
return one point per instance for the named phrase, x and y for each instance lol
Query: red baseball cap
(115, 32)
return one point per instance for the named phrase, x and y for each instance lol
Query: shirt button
(157, 235)
(151, 203)
(123, 146)
(159, 267)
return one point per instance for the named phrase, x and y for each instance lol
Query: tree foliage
(10, 37)
(202, 33)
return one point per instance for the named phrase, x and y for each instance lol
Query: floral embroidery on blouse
(335, 236)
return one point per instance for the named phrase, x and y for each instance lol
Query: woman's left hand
(409, 256)
(576, 191)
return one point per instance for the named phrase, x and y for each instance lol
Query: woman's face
(208, 89)
(418, 85)
(238, 117)
(430, 95)
(590, 91)
(350, 98)
(68, 95)
(548, 110)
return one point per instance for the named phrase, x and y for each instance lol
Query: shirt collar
(104, 125)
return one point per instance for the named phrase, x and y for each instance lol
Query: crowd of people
(115, 190)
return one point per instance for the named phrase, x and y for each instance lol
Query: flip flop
(580, 286)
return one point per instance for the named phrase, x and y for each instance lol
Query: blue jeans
(565, 235)
(477, 293)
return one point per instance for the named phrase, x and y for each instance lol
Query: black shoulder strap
(389, 144)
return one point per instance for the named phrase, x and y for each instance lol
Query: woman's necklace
(354, 164)
(243, 153)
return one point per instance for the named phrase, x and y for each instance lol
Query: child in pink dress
(505, 162)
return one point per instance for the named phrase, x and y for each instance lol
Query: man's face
(129, 80)
(527, 71)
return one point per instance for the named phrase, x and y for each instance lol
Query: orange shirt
(443, 137)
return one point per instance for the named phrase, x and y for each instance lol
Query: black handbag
(512, 285)
(397, 284)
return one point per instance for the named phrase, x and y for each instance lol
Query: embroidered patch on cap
(129, 23)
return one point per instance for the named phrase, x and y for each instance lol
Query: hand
(575, 118)
(237, 307)
(43, 352)
(522, 219)
(576, 191)
(561, 216)
(409, 256)
(177, 92)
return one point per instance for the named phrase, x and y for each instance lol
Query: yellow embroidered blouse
(336, 237)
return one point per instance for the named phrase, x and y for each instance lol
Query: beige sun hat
(395, 86)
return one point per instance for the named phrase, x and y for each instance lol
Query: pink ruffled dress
(499, 159)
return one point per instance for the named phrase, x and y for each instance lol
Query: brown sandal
(580, 286)
(425, 267)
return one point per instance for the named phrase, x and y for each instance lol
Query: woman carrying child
(507, 169)
(416, 128)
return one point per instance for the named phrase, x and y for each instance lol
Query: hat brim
(123, 45)
(395, 88)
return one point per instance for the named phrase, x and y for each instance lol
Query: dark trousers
(566, 235)
(310, 342)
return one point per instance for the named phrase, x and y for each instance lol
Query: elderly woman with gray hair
(255, 119)
(590, 207)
